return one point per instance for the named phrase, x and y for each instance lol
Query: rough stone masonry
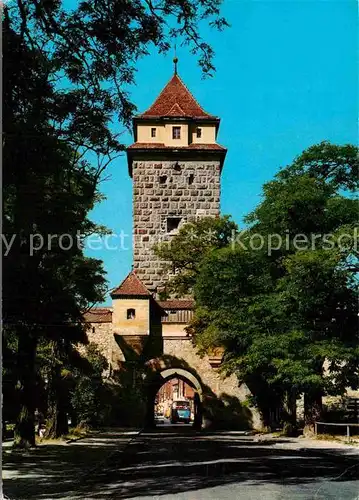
(168, 194)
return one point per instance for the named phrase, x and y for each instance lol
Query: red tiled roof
(131, 285)
(98, 315)
(193, 146)
(207, 146)
(176, 110)
(176, 100)
(147, 145)
(176, 304)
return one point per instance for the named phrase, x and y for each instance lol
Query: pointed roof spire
(176, 95)
(175, 61)
(131, 285)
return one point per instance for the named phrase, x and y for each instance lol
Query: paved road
(178, 464)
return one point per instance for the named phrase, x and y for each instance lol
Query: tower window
(163, 179)
(199, 133)
(131, 314)
(173, 224)
(176, 132)
(190, 179)
(153, 132)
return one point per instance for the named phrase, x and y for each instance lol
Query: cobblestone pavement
(180, 464)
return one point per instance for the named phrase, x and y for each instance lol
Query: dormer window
(176, 132)
(153, 132)
(198, 133)
(131, 314)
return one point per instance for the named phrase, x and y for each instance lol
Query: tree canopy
(281, 296)
(91, 51)
(48, 193)
(68, 74)
(183, 254)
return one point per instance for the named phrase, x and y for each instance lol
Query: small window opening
(190, 179)
(93, 329)
(176, 132)
(173, 224)
(199, 133)
(153, 132)
(163, 179)
(177, 167)
(131, 314)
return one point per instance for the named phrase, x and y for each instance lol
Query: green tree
(47, 191)
(183, 253)
(91, 53)
(88, 395)
(66, 90)
(279, 307)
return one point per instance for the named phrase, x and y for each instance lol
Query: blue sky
(286, 79)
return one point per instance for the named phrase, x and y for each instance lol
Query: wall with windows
(203, 134)
(170, 137)
(165, 134)
(131, 316)
(151, 132)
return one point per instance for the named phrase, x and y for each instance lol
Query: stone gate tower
(176, 164)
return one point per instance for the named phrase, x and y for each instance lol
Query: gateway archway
(158, 379)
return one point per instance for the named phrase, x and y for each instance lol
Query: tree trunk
(289, 414)
(312, 410)
(290, 406)
(25, 425)
(57, 423)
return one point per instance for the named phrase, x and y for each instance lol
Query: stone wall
(102, 335)
(227, 390)
(219, 391)
(164, 190)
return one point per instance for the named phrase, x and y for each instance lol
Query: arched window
(131, 314)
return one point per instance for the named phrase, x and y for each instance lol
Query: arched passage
(157, 379)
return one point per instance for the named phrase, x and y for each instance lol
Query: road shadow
(167, 461)
(56, 470)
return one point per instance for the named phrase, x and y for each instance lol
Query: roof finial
(175, 59)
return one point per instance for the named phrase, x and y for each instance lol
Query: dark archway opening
(175, 403)
(174, 399)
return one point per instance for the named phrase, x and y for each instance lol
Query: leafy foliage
(91, 53)
(66, 92)
(286, 316)
(337, 165)
(47, 192)
(88, 394)
(183, 253)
